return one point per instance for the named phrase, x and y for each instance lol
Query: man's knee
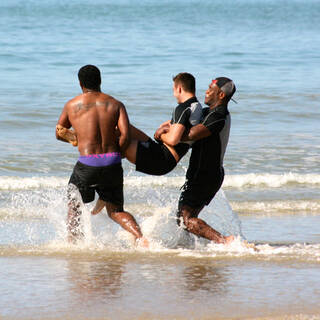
(113, 209)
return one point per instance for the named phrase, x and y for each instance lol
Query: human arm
(123, 128)
(197, 132)
(164, 128)
(66, 135)
(174, 135)
(62, 128)
(177, 126)
(213, 123)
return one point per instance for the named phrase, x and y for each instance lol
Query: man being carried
(102, 132)
(205, 173)
(161, 156)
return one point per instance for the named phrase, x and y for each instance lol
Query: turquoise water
(271, 49)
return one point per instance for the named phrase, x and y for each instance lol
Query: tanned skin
(101, 125)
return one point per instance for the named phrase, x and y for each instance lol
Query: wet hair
(186, 80)
(90, 77)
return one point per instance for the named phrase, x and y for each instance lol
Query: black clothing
(106, 180)
(205, 171)
(154, 157)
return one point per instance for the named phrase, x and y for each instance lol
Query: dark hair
(187, 81)
(89, 77)
(227, 86)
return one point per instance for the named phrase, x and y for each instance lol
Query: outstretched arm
(123, 126)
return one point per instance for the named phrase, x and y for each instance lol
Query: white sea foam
(231, 181)
(26, 183)
(239, 248)
(277, 207)
(270, 180)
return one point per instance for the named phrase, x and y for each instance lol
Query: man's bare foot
(100, 204)
(67, 134)
(142, 242)
(228, 239)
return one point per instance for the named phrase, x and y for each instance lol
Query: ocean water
(270, 196)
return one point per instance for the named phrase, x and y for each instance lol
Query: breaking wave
(231, 181)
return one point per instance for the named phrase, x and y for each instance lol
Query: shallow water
(270, 194)
(89, 284)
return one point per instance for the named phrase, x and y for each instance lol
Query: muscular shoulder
(99, 101)
(110, 102)
(73, 102)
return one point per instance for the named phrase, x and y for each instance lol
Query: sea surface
(270, 196)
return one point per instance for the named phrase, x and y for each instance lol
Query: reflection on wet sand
(206, 278)
(96, 278)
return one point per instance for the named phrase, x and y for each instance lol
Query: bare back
(95, 117)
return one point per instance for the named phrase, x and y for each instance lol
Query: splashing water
(38, 217)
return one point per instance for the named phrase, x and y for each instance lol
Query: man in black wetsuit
(205, 172)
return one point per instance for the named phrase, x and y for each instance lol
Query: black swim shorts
(154, 158)
(107, 181)
(199, 194)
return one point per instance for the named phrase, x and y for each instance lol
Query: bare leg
(127, 222)
(131, 151)
(100, 204)
(137, 134)
(73, 220)
(199, 227)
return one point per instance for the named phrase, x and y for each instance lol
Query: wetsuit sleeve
(181, 115)
(213, 122)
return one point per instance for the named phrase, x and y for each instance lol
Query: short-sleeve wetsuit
(154, 157)
(205, 173)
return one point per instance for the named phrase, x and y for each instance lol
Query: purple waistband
(101, 160)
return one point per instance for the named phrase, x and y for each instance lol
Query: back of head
(227, 86)
(187, 82)
(90, 77)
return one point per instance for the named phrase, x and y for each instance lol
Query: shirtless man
(102, 132)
